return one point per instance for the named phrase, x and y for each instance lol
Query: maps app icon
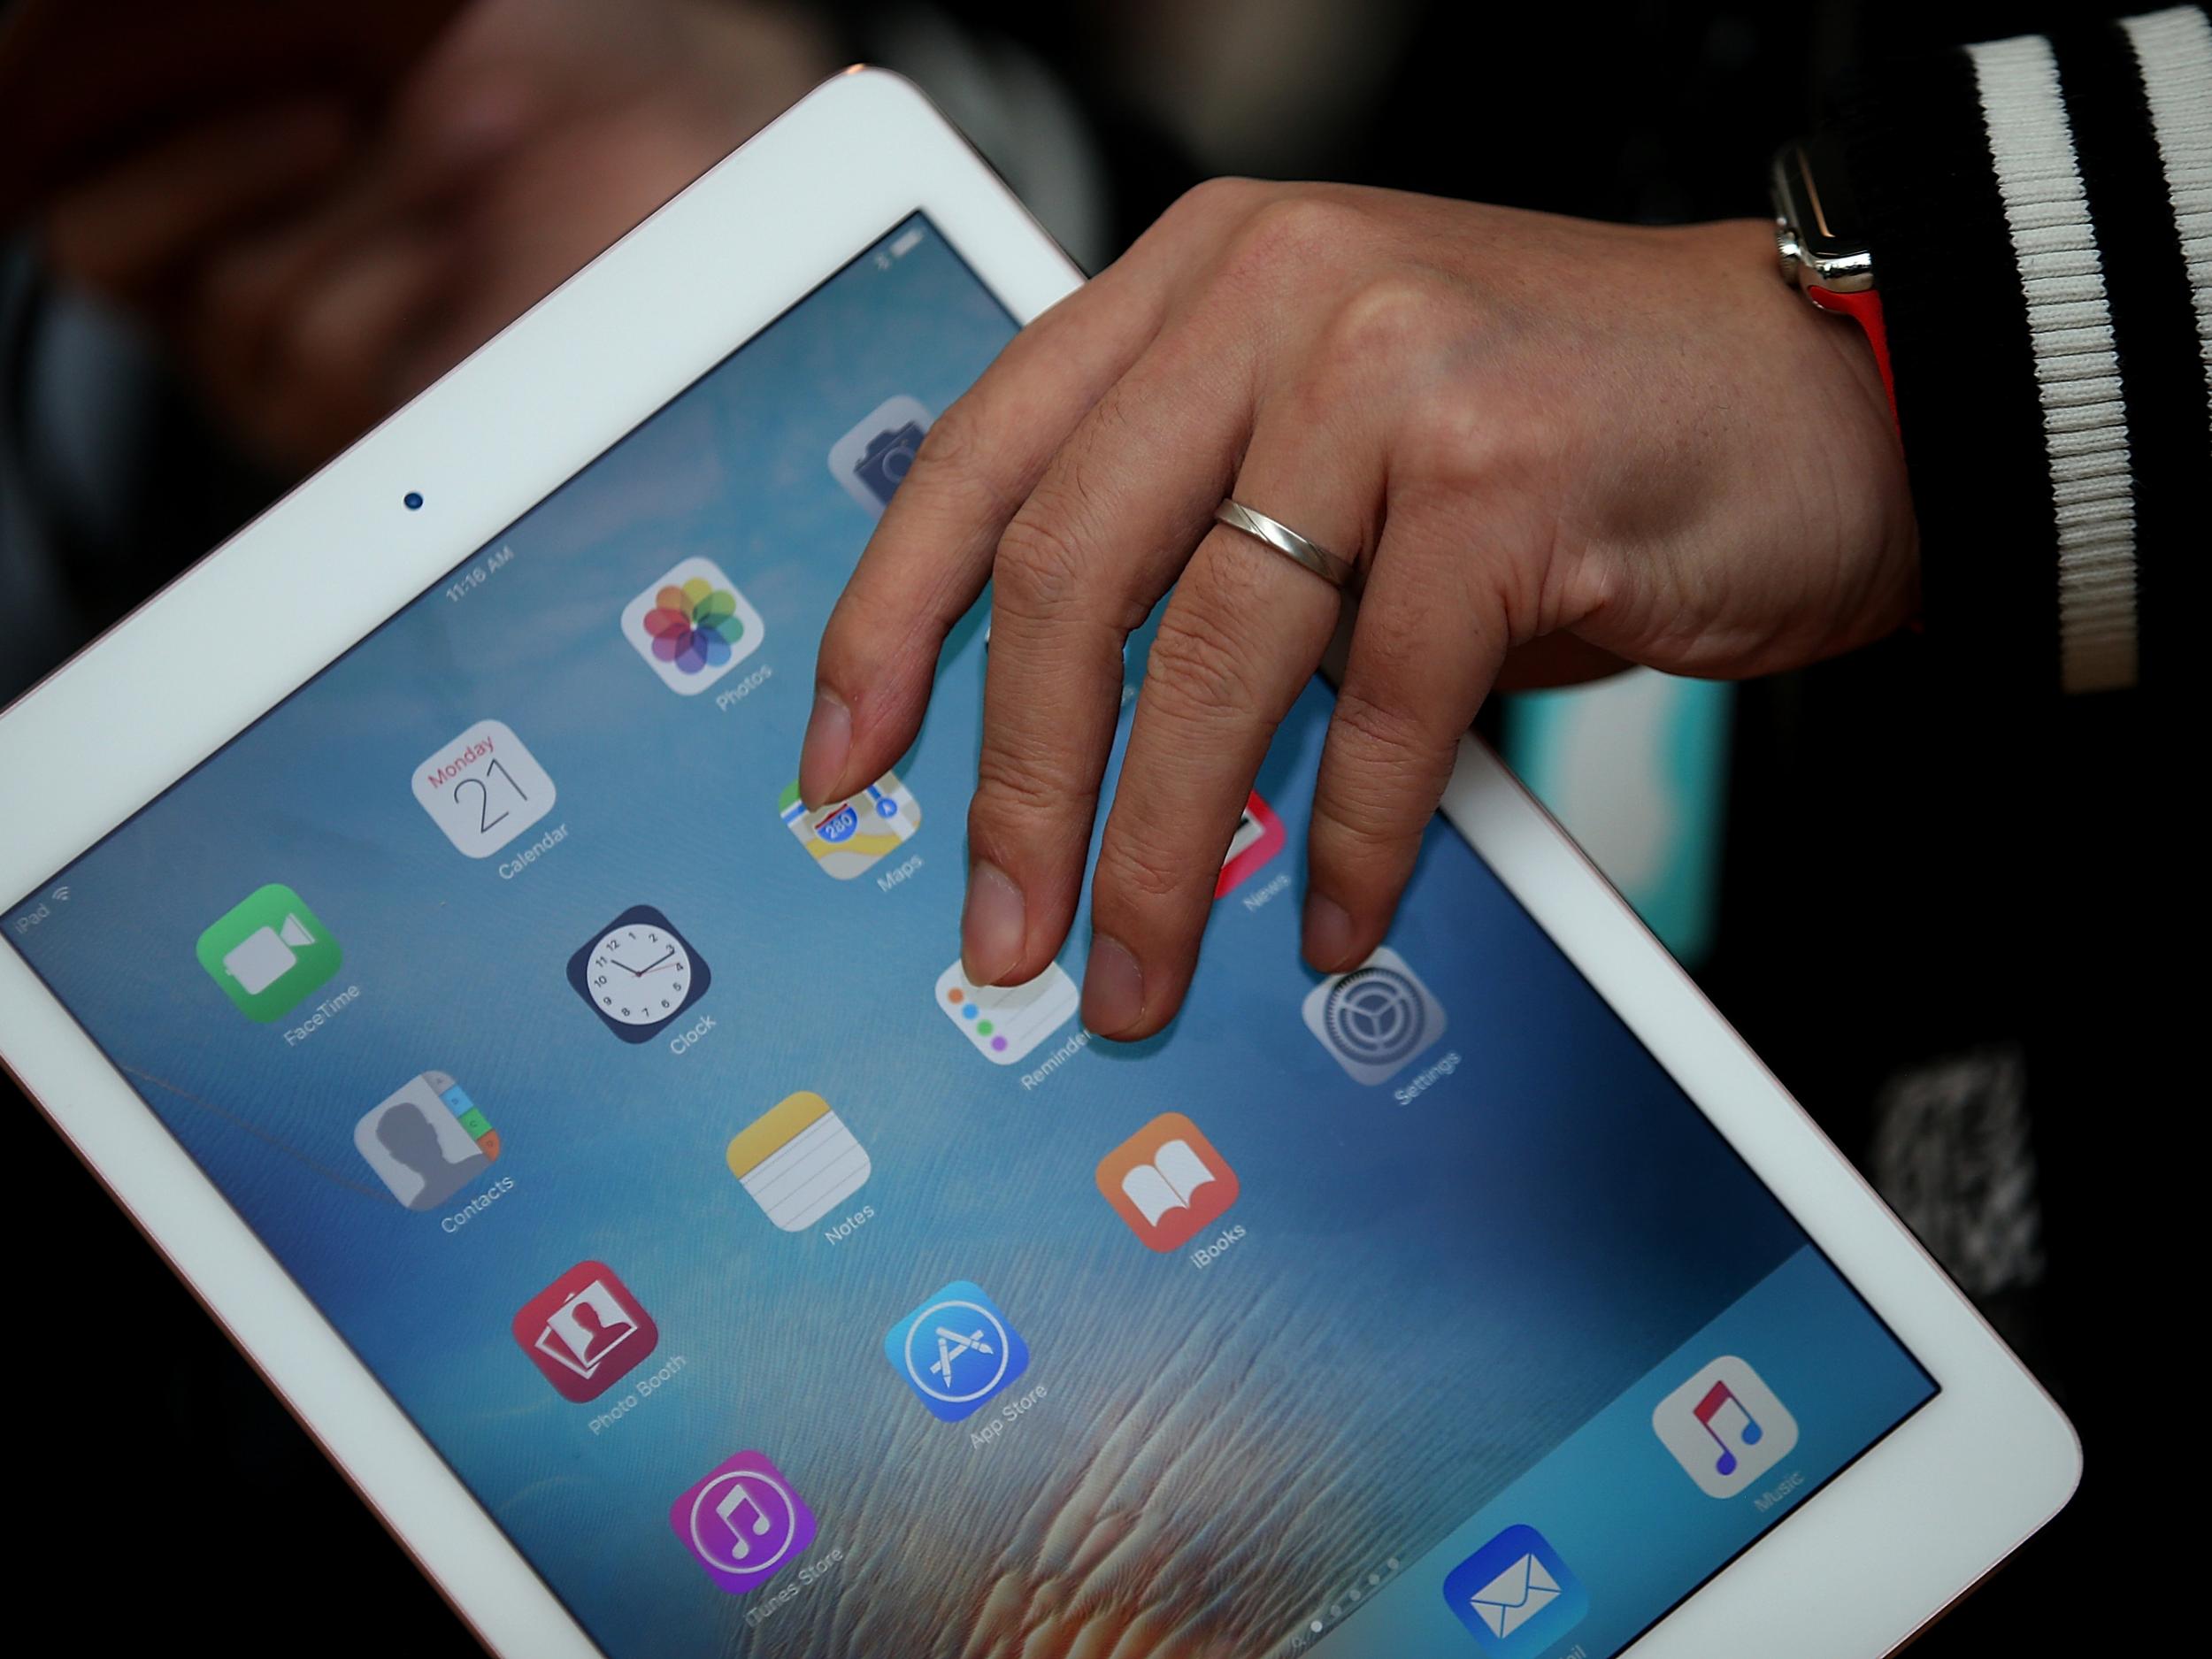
(846, 837)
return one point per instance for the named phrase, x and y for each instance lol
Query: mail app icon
(1514, 1594)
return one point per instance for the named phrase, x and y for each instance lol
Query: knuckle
(1212, 201)
(1387, 771)
(1137, 866)
(1016, 791)
(962, 455)
(1296, 232)
(1041, 568)
(1198, 671)
(1388, 322)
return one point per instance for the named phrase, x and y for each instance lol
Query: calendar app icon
(483, 788)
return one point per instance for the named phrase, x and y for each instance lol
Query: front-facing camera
(413, 500)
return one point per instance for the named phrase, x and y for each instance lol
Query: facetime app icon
(268, 951)
(798, 1161)
(1167, 1182)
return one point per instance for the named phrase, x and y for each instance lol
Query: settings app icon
(1375, 1019)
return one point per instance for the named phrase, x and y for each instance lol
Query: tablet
(411, 919)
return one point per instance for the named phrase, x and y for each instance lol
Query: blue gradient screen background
(1427, 1297)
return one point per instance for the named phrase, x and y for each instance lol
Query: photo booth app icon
(268, 951)
(427, 1142)
(585, 1332)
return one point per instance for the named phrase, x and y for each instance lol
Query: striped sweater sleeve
(2040, 213)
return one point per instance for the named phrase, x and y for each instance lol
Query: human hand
(1549, 447)
(315, 265)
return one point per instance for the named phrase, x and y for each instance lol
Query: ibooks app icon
(1167, 1182)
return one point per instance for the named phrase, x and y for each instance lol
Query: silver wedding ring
(1335, 572)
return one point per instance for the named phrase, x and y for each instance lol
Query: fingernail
(1113, 987)
(1328, 933)
(822, 756)
(993, 925)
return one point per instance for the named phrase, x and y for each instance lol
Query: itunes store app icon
(742, 1522)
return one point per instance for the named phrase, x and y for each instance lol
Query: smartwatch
(1825, 254)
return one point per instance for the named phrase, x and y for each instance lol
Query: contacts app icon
(427, 1141)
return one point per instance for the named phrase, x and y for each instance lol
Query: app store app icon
(956, 1351)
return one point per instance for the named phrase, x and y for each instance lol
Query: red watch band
(1864, 309)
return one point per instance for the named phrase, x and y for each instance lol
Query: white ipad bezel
(1923, 1514)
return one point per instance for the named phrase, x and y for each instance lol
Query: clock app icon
(638, 973)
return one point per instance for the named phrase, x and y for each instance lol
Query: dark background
(1911, 877)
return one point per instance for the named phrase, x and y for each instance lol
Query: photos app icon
(692, 626)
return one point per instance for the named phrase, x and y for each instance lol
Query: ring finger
(1242, 633)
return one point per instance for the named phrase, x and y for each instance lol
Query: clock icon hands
(639, 1005)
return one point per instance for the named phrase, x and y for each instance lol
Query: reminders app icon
(1005, 1022)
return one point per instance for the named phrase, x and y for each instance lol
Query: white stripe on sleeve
(2077, 365)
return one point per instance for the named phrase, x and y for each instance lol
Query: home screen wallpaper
(781, 1293)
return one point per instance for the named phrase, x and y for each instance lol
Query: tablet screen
(780, 1291)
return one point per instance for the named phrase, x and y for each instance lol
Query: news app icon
(1374, 1019)
(1259, 837)
(268, 952)
(742, 1522)
(585, 1332)
(1167, 1182)
(956, 1351)
(1724, 1426)
(427, 1141)
(873, 459)
(1515, 1596)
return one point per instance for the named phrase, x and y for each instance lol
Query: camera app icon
(871, 459)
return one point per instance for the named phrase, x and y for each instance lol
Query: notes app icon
(798, 1161)
(1725, 1427)
(1167, 1182)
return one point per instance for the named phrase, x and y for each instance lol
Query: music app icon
(1725, 1427)
(742, 1522)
